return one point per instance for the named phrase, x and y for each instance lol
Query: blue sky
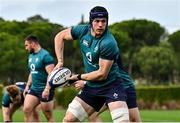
(68, 12)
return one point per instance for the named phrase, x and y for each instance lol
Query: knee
(94, 117)
(135, 118)
(120, 115)
(68, 119)
(134, 115)
(27, 110)
(132, 119)
(48, 114)
(36, 116)
(75, 112)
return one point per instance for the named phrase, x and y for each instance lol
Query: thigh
(116, 92)
(30, 102)
(117, 105)
(103, 109)
(14, 107)
(94, 101)
(47, 106)
(78, 110)
(50, 98)
(88, 108)
(119, 111)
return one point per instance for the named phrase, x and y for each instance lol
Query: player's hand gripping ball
(59, 76)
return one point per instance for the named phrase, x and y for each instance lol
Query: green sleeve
(48, 59)
(108, 50)
(78, 31)
(6, 100)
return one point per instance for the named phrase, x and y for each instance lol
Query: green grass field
(146, 115)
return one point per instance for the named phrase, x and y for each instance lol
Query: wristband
(79, 76)
(71, 82)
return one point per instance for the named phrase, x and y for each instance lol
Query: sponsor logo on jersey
(89, 57)
(32, 66)
(33, 69)
(34, 72)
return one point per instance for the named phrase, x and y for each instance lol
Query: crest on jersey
(86, 43)
(115, 95)
(30, 59)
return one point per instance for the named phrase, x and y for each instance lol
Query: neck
(37, 49)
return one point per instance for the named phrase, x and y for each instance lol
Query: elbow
(58, 36)
(62, 35)
(102, 76)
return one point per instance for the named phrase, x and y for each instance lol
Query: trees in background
(146, 53)
(156, 64)
(13, 58)
(13, 55)
(37, 18)
(174, 40)
(139, 33)
(144, 48)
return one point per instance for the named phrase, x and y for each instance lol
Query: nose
(100, 23)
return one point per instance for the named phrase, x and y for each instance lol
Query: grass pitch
(146, 116)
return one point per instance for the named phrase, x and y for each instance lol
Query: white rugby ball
(58, 77)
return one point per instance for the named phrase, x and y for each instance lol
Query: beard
(31, 51)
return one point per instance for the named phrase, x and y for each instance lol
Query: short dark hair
(32, 38)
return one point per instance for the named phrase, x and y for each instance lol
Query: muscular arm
(6, 113)
(49, 69)
(98, 75)
(45, 93)
(29, 80)
(104, 65)
(101, 73)
(59, 43)
(28, 84)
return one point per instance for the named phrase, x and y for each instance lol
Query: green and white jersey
(92, 49)
(36, 64)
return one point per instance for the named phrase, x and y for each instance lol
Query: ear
(33, 44)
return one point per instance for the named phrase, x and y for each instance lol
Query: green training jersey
(36, 64)
(92, 49)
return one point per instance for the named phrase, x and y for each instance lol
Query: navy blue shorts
(38, 94)
(98, 96)
(131, 97)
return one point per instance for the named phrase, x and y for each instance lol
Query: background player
(13, 99)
